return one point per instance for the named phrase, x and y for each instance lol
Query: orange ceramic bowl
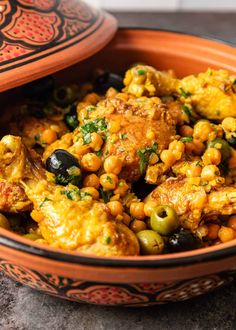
(129, 281)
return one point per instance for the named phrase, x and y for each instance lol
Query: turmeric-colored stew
(116, 167)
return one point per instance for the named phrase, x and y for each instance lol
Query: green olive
(164, 220)
(223, 147)
(32, 236)
(4, 222)
(150, 242)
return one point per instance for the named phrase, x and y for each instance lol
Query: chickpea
(211, 156)
(150, 135)
(229, 124)
(137, 210)
(91, 191)
(213, 230)
(109, 181)
(114, 126)
(194, 170)
(196, 147)
(186, 130)
(210, 172)
(91, 180)
(48, 136)
(116, 208)
(232, 222)
(96, 141)
(226, 234)
(122, 188)
(201, 130)
(126, 219)
(92, 98)
(91, 162)
(168, 157)
(112, 164)
(149, 207)
(177, 146)
(137, 225)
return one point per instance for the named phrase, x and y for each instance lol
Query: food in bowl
(117, 167)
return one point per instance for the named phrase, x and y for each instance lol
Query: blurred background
(166, 5)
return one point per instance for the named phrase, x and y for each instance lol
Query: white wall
(169, 5)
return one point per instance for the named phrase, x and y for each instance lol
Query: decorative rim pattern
(116, 294)
(30, 30)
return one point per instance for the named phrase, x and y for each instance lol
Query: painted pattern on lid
(33, 30)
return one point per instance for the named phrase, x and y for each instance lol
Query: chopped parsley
(141, 72)
(106, 195)
(96, 125)
(44, 201)
(37, 137)
(234, 82)
(123, 136)
(198, 164)
(183, 93)
(62, 180)
(187, 139)
(99, 153)
(75, 194)
(109, 179)
(108, 240)
(144, 155)
(187, 110)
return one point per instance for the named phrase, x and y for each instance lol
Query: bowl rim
(192, 257)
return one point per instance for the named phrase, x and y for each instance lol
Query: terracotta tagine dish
(69, 40)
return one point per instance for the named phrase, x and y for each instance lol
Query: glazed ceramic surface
(129, 281)
(38, 37)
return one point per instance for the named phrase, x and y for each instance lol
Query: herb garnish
(187, 110)
(183, 93)
(99, 153)
(123, 136)
(109, 179)
(144, 155)
(187, 139)
(106, 195)
(37, 137)
(141, 72)
(96, 125)
(108, 240)
(74, 194)
(45, 200)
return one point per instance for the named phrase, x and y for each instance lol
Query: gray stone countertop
(24, 309)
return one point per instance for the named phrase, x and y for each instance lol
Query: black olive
(142, 189)
(65, 95)
(183, 240)
(36, 108)
(71, 119)
(39, 88)
(65, 166)
(106, 80)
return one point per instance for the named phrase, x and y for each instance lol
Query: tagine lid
(40, 37)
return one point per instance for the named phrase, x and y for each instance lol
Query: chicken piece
(145, 80)
(192, 203)
(212, 93)
(67, 218)
(31, 129)
(13, 198)
(132, 129)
